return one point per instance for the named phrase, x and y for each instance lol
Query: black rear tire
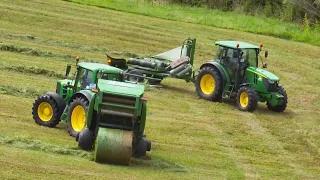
(86, 139)
(77, 102)
(281, 107)
(45, 111)
(204, 88)
(247, 99)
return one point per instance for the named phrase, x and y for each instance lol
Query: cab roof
(99, 67)
(233, 44)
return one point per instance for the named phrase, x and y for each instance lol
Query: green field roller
(101, 110)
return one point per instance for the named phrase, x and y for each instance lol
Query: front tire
(281, 107)
(247, 99)
(45, 111)
(77, 115)
(209, 84)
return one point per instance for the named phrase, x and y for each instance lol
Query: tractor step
(228, 91)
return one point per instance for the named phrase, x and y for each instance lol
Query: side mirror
(266, 54)
(265, 65)
(68, 70)
(241, 54)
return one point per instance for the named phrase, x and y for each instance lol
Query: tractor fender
(219, 68)
(85, 94)
(89, 95)
(59, 100)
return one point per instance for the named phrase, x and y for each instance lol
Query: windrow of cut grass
(212, 17)
(192, 138)
(24, 143)
(31, 70)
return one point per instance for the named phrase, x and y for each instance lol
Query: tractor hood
(120, 88)
(264, 73)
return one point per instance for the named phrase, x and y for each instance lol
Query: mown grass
(212, 17)
(192, 138)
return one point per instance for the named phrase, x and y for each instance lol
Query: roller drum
(113, 146)
(177, 70)
(185, 71)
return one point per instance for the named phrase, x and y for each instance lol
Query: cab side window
(222, 55)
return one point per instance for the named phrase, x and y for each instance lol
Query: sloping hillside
(192, 138)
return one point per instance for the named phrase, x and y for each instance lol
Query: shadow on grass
(155, 162)
(178, 89)
(261, 109)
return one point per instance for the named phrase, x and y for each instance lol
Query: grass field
(192, 138)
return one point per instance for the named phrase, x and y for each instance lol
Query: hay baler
(101, 110)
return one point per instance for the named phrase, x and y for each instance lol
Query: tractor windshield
(84, 78)
(250, 56)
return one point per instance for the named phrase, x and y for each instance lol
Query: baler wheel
(142, 147)
(247, 99)
(154, 82)
(45, 111)
(209, 84)
(113, 146)
(135, 78)
(86, 139)
(281, 107)
(77, 116)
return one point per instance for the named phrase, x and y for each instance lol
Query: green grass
(192, 138)
(212, 17)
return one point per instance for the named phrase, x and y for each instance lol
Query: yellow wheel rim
(45, 111)
(244, 99)
(78, 118)
(207, 84)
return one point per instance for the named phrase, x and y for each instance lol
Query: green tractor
(100, 109)
(235, 74)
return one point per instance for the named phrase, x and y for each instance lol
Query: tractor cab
(237, 55)
(86, 77)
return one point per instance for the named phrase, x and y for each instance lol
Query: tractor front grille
(271, 87)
